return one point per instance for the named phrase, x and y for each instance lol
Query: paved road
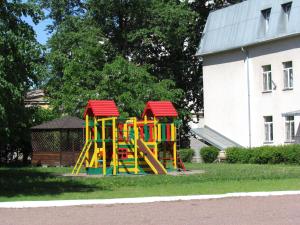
(283, 210)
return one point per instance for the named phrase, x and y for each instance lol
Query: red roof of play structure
(160, 108)
(101, 108)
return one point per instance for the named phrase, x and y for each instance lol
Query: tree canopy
(20, 59)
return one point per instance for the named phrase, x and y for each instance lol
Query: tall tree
(82, 66)
(60, 10)
(78, 53)
(20, 54)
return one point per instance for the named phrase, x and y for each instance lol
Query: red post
(168, 128)
(151, 132)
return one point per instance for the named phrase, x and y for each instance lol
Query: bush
(209, 154)
(187, 154)
(237, 155)
(289, 154)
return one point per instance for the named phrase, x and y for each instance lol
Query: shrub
(237, 155)
(209, 154)
(187, 154)
(289, 154)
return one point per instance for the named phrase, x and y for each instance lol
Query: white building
(251, 74)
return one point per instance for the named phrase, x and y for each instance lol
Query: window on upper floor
(266, 13)
(268, 129)
(267, 78)
(289, 129)
(286, 8)
(288, 75)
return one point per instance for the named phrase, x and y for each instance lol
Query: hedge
(187, 154)
(288, 154)
(209, 154)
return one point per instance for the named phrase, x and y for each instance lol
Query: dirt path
(283, 210)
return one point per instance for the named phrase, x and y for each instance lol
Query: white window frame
(267, 78)
(269, 130)
(289, 129)
(288, 76)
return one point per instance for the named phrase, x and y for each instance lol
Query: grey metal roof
(66, 122)
(293, 113)
(214, 138)
(241, 25)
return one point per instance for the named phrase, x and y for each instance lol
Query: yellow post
(135, 146)
(172, 132)
(125, 131)
(87, 137)
(95, 142)
(158, 132)
(86, 128)
(103, 147)
(175, 150)
(114, 146)
(155, 137)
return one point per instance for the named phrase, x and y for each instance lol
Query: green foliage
(20, 57)
(209, 154)
(289, 154)
(131, 86)
(84, 66)
(78, 54)
(40, 115)
(186, 155)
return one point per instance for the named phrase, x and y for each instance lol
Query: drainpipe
(248, 90)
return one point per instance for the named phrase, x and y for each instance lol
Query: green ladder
(81, 158)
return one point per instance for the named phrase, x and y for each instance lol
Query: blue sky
(40, 29)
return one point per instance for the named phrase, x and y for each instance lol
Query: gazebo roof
(66, 122)
(160, 109)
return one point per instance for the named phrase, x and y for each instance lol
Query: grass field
(46, 183)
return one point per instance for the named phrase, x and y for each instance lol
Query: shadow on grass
(26, 182)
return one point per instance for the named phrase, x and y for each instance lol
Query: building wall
(278, 101)
(225, 95)
(225, 91)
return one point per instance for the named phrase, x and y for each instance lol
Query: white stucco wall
(225, 95)
(225, 91)
(278, 101)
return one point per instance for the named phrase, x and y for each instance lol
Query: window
(267, 78)
(266, 13)
(288, 75)
(268, 129)
(287, 9)
(289, 128)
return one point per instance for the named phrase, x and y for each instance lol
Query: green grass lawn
(47, 184)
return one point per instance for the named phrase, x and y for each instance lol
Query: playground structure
(114, 145)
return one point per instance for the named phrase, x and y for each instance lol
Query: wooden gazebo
(57, 142)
